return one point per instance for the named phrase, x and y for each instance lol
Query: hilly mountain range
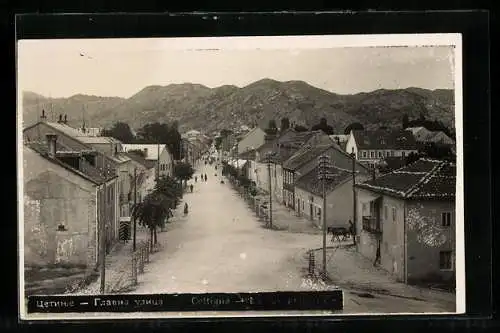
(196, 106)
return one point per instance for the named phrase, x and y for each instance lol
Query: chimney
(60, 119)
(51, 141)
(65, 119)
(43, 117)
(338, 140)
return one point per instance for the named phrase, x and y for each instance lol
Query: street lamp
(324, 174)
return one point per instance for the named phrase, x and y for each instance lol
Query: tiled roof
(382, 139)
(304, 155)
(312, 184)
(422, 180)
(85, 170)
(148, 164)
(290, 141)
(98, 139)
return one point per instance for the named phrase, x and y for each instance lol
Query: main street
(220, 246)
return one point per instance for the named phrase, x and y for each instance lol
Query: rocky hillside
(198, 107)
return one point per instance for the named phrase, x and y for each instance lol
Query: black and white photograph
(241, 165)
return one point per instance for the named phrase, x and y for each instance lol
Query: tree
(218, 142)
(272, 128)
(353, 127)
(225, 133)
(300, 128)
(183, 171)
(421, 117)
(285, 124)
(170, 188)
(406, 120)
(151, 213)
(323, 126)
(164, 134)
(120, 131)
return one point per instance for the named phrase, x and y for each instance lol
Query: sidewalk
(348, 269)
(285, 218)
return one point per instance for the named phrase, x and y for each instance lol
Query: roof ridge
(424, 179)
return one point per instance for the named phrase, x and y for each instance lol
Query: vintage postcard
(240, 176)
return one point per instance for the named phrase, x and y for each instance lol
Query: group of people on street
(203, 178)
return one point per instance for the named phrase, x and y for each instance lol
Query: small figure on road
(191, 188)
(195, 179)
(205, 177)
(186, 209)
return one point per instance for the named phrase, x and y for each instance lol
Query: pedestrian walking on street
(195, 179)
(186, 208)
(191, 187)
(205, 177)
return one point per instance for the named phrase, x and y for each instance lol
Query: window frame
(394, 214)
(445, 222)
(451, 261)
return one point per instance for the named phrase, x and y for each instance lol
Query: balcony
(371, 225)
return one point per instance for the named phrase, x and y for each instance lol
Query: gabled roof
(148, 164)
(85, 170)
(312, 184)
(385, 139)
(98, 139)
(425, 179)
(305, 155)
(290, 141)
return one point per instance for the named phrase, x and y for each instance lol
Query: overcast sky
(120, 67)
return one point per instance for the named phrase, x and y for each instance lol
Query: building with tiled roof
(371, 147)
(406, 221)
(106, 156)
(65, 201)
(339, 196)
(306, 158)
(423, 135)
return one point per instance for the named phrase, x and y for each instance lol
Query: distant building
(407, 217)
(423, 135)
(371, 147)
(158, 153)
(306, 159)
(253, 139)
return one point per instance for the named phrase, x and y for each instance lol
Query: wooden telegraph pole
(270, 190)
(324, 173)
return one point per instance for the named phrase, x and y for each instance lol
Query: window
(372, 154)
(394, 214)
(446, 219)
(403, 154)
(364, 154)
(365, 208)
(386, 215)
(445, 260)
(302, 204)
(319, 212)
(379, 154)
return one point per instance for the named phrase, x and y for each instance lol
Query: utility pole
(354, 201)
(324, 173)
(102, 241)
(135, 203)
(268, 157)
(158, 161)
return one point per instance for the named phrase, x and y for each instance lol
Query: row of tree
(162, 133)
(157, 207)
